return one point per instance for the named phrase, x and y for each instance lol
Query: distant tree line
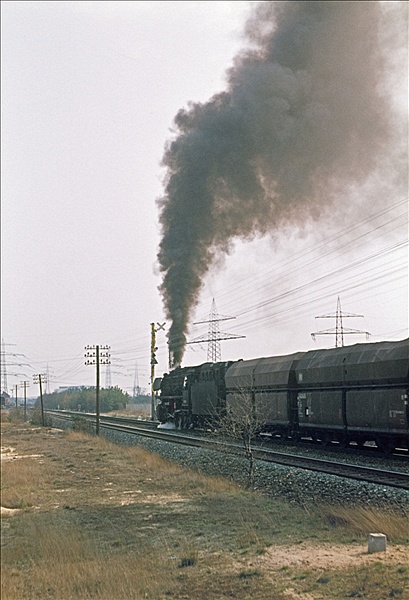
(140, 398)
(83, 399)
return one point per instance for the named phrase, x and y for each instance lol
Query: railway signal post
(154, 362)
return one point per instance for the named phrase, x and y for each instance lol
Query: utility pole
(25, 385)
(339, 330)
(97, 355)
(16, 396)
(214, 335)
(154, 330)
(41, 378)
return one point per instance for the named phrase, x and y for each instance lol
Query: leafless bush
(242, 422)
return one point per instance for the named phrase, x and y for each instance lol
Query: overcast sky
(89, 95)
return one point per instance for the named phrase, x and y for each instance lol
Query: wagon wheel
(343, 441)
(325, 440)
(385, 444)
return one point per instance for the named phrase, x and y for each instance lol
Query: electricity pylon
(108, 380)
(25, 384)
(339, 330)
(136, 389)
(214, 336)
(3, 366)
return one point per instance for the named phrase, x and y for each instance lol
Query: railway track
(362, 473)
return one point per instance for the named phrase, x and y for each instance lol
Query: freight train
(354, 394)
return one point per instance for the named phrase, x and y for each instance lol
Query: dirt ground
(117, 490)
(324, 556)
(330, 556)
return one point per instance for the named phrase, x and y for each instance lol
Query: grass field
(85, 518)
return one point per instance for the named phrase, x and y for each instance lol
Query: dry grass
(142, 411)
(361, 520)
(109, 522)
(66, 563)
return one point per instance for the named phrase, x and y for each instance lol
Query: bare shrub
(243, 422)
(82, 424)
(15, 415)
(36, 418)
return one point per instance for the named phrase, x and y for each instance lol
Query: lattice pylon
(214, 336)
(214, 352)
(339, 330)
(108, 382)
(3, 368)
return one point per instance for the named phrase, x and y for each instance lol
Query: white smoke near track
(305, 115)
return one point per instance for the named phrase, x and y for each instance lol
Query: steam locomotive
(356, 393)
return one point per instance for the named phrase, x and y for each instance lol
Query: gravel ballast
(290, 483)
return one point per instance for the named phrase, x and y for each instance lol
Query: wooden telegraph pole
(97, 355)
(41, 378)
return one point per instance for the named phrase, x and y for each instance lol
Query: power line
(298, 258)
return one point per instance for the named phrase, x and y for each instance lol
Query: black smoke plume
(301, 118)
